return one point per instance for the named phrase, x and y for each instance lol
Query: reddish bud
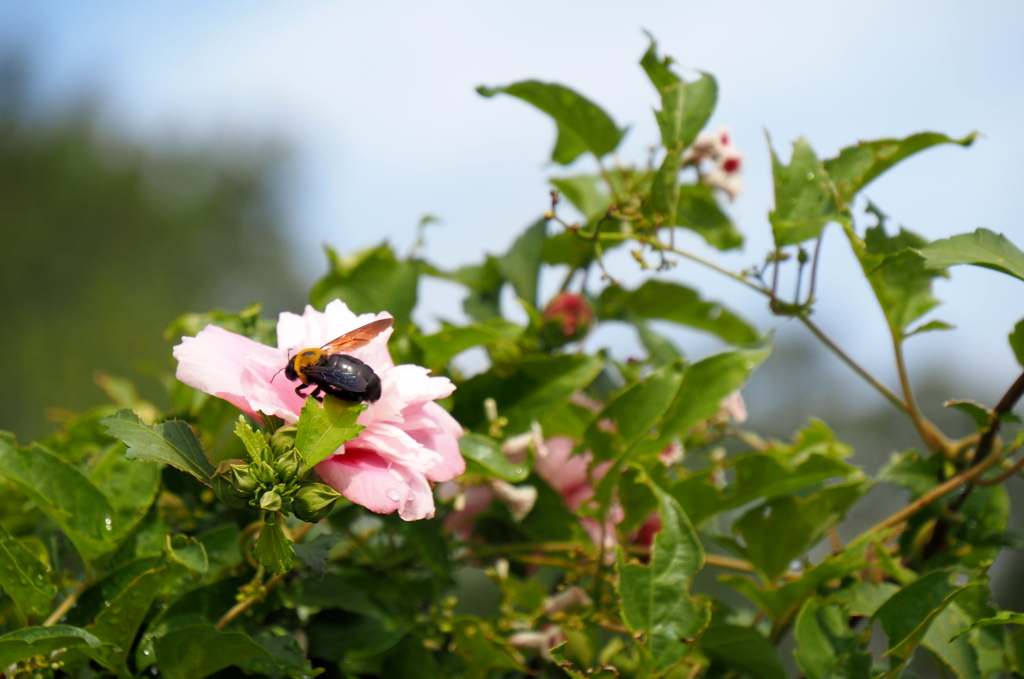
(572, 313)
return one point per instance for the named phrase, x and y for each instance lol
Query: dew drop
(146, 651)
(393, 495)
(519, 470)
(810, 175)
(109, 523)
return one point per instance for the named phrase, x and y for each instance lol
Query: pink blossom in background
(409, 441)
(719, 148)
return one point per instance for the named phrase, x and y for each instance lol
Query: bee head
(301, 361)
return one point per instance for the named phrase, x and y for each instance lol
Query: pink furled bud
(734, 408)
(542, 640)
(566, 599)
(520, 499)
(570, 315)
(673, 454)
(732, 184)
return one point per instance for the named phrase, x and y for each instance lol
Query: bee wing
(359, 337)
(336, 378)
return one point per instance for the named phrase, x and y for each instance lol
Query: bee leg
(299, 392)
(316, 395)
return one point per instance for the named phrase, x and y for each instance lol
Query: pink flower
(409, 441)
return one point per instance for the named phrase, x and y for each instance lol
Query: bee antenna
(282, 369)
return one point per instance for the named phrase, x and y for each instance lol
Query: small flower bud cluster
(272, 479)
(719, 148)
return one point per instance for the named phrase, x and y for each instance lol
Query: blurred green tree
(106, 239)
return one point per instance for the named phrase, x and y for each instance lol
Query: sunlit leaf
(659, 299)
(857, 166)
(685, 107)
(29, 642)
(582, 125)
(486, 454)
(521, 266)
(370, 281)
(172, 443)
(589, 193)
(982, 248)
(63, 493)
(805, 199)
(655, 599)
(24, 577)
(828, 648)
(1017, 342)
(322, 429)
(698, 211)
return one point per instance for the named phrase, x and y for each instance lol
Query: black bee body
(340, 375)
(335, 373)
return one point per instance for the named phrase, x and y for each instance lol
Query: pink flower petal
(367, 479)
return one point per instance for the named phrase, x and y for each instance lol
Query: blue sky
(378, 101)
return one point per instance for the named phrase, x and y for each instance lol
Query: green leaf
(742, 648)
(828, 648)
(486, 454)
(655, 599)
(981, 415)
(982, 248)
(1002, 618)
(780, 602)
(521, 265)
(63, 493)
(24, 577)
(698, 211)
(857, 166)
(783, 529)
(805, 199)
(582, 125)
(188, 552)
(30, 642)
(223, 550)
(255, 444)
(442, 346)
(930, 326)
(659, 299)
(635, 412)
(685, 107)
(589, 193)
(274, 550)
(814, 457)
(370, 281)
(665, 190)
(315, 553)
(482, 649)
(172, 443)
(322, 429)
(197, 651)
(704, 386)
(130, 486)
(908, 614)
(1017, 341)
(897, 272)
(538, 385)
(864, 598)
(944, 640)
(660, 350)
(122, 615)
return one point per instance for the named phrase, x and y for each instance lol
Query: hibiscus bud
(270, 501)
(567, 318)
(283, 439)
(290, 466)
(314, 501)
(243, 480)
(264, 473)
(223, 487)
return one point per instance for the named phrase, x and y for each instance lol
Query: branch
(65, 606)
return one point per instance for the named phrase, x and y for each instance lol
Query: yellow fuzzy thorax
(306, 358)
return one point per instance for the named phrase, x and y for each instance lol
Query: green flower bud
(264, 473)
(270, 501)
(227, 494)
(290, 466)
(314, 501)
(243, 480)
(283, 439)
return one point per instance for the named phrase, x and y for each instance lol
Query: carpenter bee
(335, 373)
